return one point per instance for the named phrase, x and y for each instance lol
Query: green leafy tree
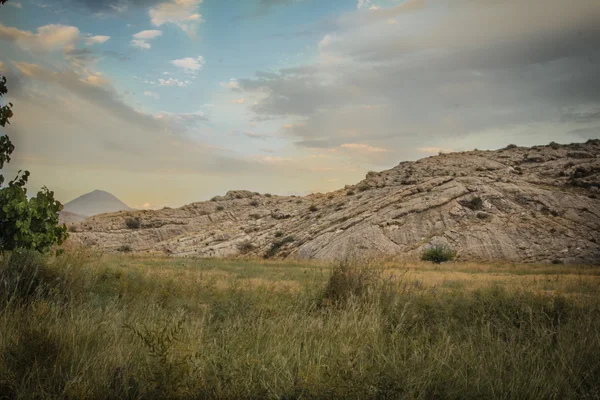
(25, 223)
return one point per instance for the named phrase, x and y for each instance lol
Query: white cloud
(47, 38)
(15, 4)
(189, 64)
(147, 35)
(238, 101)
(183, 13)
(232, 84)
(154, 95)
(363, 4)
(141, 39)
(98, 39)
(173, 82)
(141, 44)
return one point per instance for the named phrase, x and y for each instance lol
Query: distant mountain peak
(95, 202)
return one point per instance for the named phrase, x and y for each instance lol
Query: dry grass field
(89, 326)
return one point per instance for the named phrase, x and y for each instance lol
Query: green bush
(350, 280)
(124, 248)
(510, 146)
(245, 247)
(133, 223)
(278, 234)
(350, 193)
(313, 208)
(25, 275)
(364, 188)
(438, 254)
(554, 145)
(474, 204)
(277, 245)
(220, 208)
(254, 203)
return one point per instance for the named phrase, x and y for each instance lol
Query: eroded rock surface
(518, 204)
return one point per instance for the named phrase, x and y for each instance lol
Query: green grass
(130, 327)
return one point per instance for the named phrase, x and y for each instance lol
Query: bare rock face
(517, 204)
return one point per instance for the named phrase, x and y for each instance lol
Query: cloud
(363, 4)
(141, 44)
(72, 113)
(141, 39)
(254, 135)
(154, 95)
(15, 4)
(363, 147)
(98, 39)
(232, 84)
(264, 7)
(440, 76)
(238, 101)
(148, 34)
(106, 6)
(173, 82)
(182, 13)
(47, 38)
(189, 64)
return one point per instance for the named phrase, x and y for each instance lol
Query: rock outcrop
(519, 204)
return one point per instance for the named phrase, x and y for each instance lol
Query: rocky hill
(93, 203)
(66, 217)
(537, 204)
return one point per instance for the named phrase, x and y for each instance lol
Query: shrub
(313, 208)
(276, 246)
(24, 275)
(278, 234)
(133, 223)
(438, 254)
(349, 280)
(483, 215)
(554, 145)
(245, 247)
(124, 248)
(474, 204)
(510, 146)
(220, 208)
(364, 188)
(557, 261)
(254, 203)
(268, 195)
(350, 193)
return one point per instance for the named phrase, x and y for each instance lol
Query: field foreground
(83, 325)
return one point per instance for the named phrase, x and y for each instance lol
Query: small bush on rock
(133, 223)
(439, 254)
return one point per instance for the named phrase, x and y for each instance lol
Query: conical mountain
(96, 202)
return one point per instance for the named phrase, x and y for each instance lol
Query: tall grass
(112, 329)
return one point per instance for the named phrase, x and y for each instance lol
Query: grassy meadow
(88, 326)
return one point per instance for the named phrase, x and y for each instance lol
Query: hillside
(93, 203)
(534, 204)
(66, 217)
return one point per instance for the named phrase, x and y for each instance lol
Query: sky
(167, 102)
